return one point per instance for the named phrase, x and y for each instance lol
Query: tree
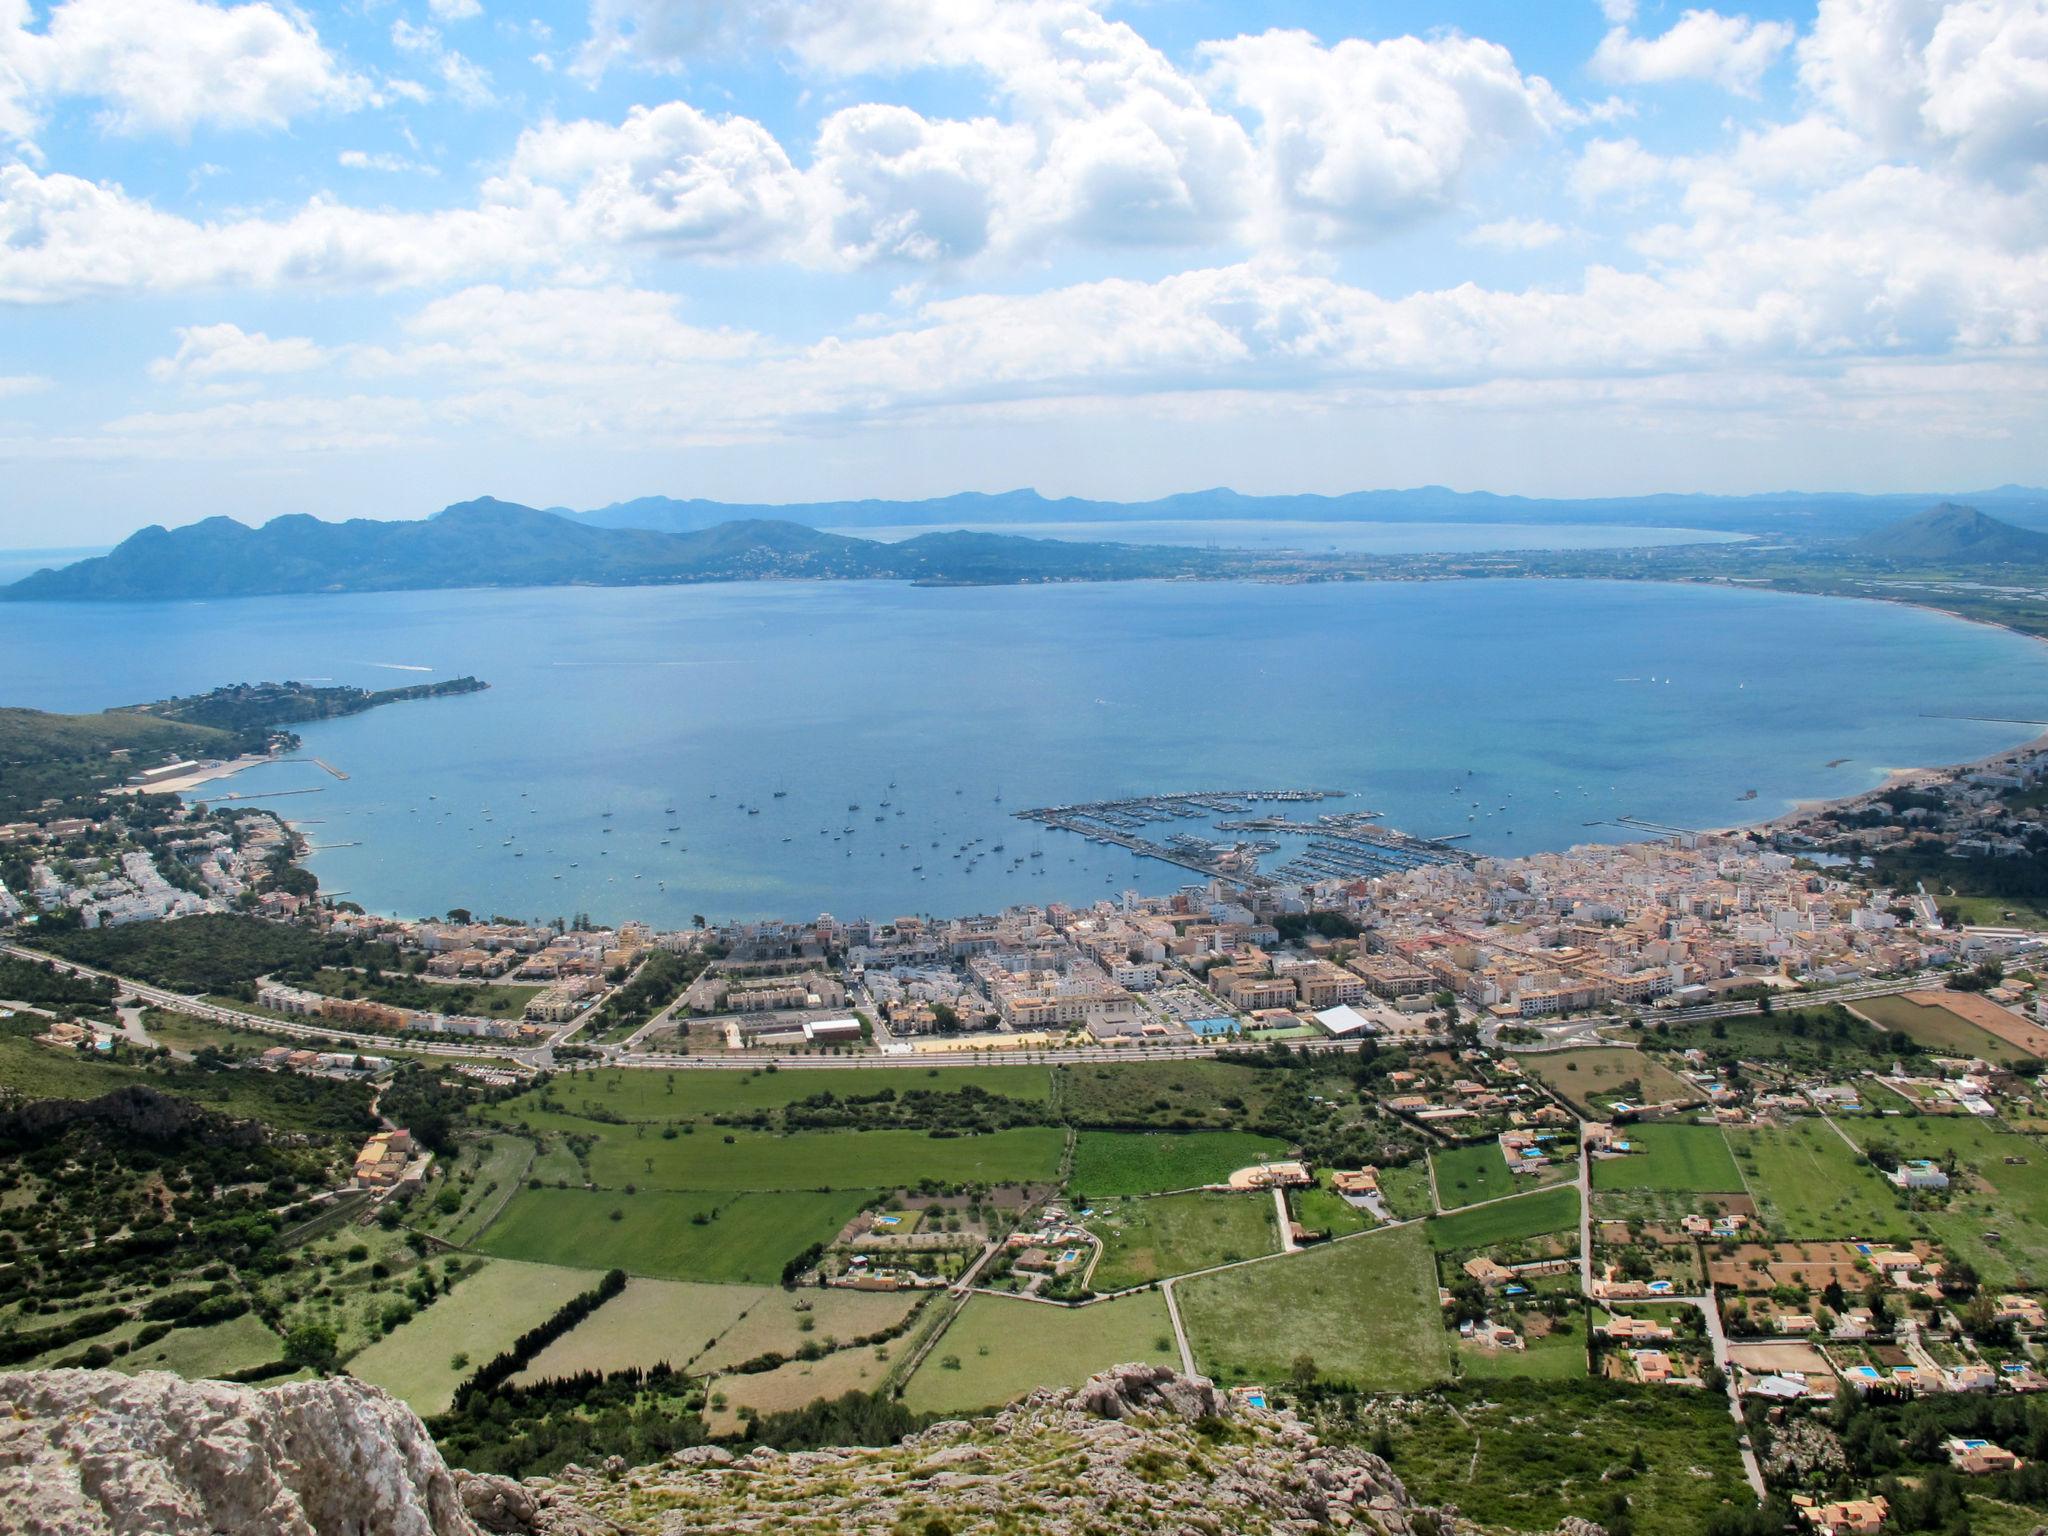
(310, 1344)
(1304, 1373)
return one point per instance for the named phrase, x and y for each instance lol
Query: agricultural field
(1685, 1158)
(996, 1349)
(1521, 1456)
(1146, 1240)
(797, 1384)
(239, 1344)
(782, 1322)
(1810, 1184)
(1554, 1357)
(2015, 1205)
(1150, 1162)
(1171, 1094)
(1506, 1221)
(1592, 1079)
(710, 1159)
(1364, 1311)
(1939, 1029)
(484, 1178)
(669, 1235)
(1405, 1189)
(1321, 1209)
(477, 1319)
(639, 1094)
(651, 1322)
(1466, 1175)
(1823, 1039)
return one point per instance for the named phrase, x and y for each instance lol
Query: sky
(366, 259)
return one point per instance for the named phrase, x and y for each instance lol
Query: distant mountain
(1803, 514)
(491, 543)
(1954, 535)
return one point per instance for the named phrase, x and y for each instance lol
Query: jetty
(322, 762)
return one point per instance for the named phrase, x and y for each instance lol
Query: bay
(1516, 712)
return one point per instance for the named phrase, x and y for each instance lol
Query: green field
(999, 1349)
(1149, 1162)
(1809, 1184)
(1469, 1174)
(1365, 1311)
(711, 1159)
(481, 1316)
(639, 1094)
(1505, 1221)
(1605, 1073)
(1321, 1209)
(1688, 1158)
(2015, 1206)
(777, 1323)
(238, 1344)
(743, 1239)
(651, 1322)
(1145, 1240)
(1405, 1189)
(1939, 1030)
(1555, 1357)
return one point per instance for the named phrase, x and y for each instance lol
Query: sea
(782, 749)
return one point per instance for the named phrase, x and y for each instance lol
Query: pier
(321, 762)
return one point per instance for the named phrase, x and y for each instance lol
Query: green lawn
(711, 1159)
(1810, 1185)
(481, 1316)
(999, 1349)
(500, 1165)
(1322, 1209)
(1365, 1311)
(651, 1322)
(1551, 1210)
(1469, 1174)
(1556, 1357)
(1672, 1157)
(640, 1094)
(2015, 1206)
(1144, 1240)
(1405, 1189)
(217, 1350)
(743, 1239)
(1149, 1162)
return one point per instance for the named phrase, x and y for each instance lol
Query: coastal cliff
(1137, 1449)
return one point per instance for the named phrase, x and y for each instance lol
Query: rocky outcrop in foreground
(1139, 1449)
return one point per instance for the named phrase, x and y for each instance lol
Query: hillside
(47, 756)
(1137, 1450)
(1950, 534)
(491, 543)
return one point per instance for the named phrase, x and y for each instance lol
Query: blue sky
(366, 259)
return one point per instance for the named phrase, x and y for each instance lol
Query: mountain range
(1953, 535)
(495, 543)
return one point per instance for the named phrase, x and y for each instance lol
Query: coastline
(186, 782)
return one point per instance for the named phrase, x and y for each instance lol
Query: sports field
(1505, 1221)
(1150, 1162)
(1810, 1184)
(1469, 1174)
(1365, 1311)
(999, 1349)
(711, 1159)
(480, 1317)
(1145, 1240)
(741, 1239)
(1672, 1157)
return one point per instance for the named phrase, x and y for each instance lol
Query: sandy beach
(189, 781)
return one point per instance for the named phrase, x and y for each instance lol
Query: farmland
(1592, 1079)
(1151, 1162)
(1365, 1311)
(1939, 1028)
(1991, 1195)
(1144, 1240)
(1808, 1183)
(1551, 1210)
(1467, 1175)
(744, 1239)
(651, 1322)
(1685, 1158)
(480, 1316)
(739, 1161)
(998, 1349)
(686, 1095)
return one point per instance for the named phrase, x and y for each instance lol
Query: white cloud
(168, 66)
(1616, 168)
(467, 81)
(455, 10)
(1731, 51)
(217, 351)
(1516, 234)
(1363, 136)
(364, 160)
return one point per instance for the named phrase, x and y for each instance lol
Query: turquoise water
(1324, 537)
(1562, 702)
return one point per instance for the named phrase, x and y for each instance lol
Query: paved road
(1180, 1334)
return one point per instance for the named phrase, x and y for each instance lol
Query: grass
(483, 1314)
(1551, 1210)
(775, 1324)
(1405, 1189)
(1466, 1175)
(217, 1350)
(1809, 1184)
(639, 1094)
(1825, 1039)
(798, 1384)
(1000, 1349)
(710, 1159)
(1949, 1034)
(743, 1239)
(1604, 1072)
(2015, 1206)
(499, 1164)
(1145, 1240)
(1554, 1357)
(1151, 1162)
(1322, 1209)
(1365, 1312)
(1671, 1157)
(651, 1322)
